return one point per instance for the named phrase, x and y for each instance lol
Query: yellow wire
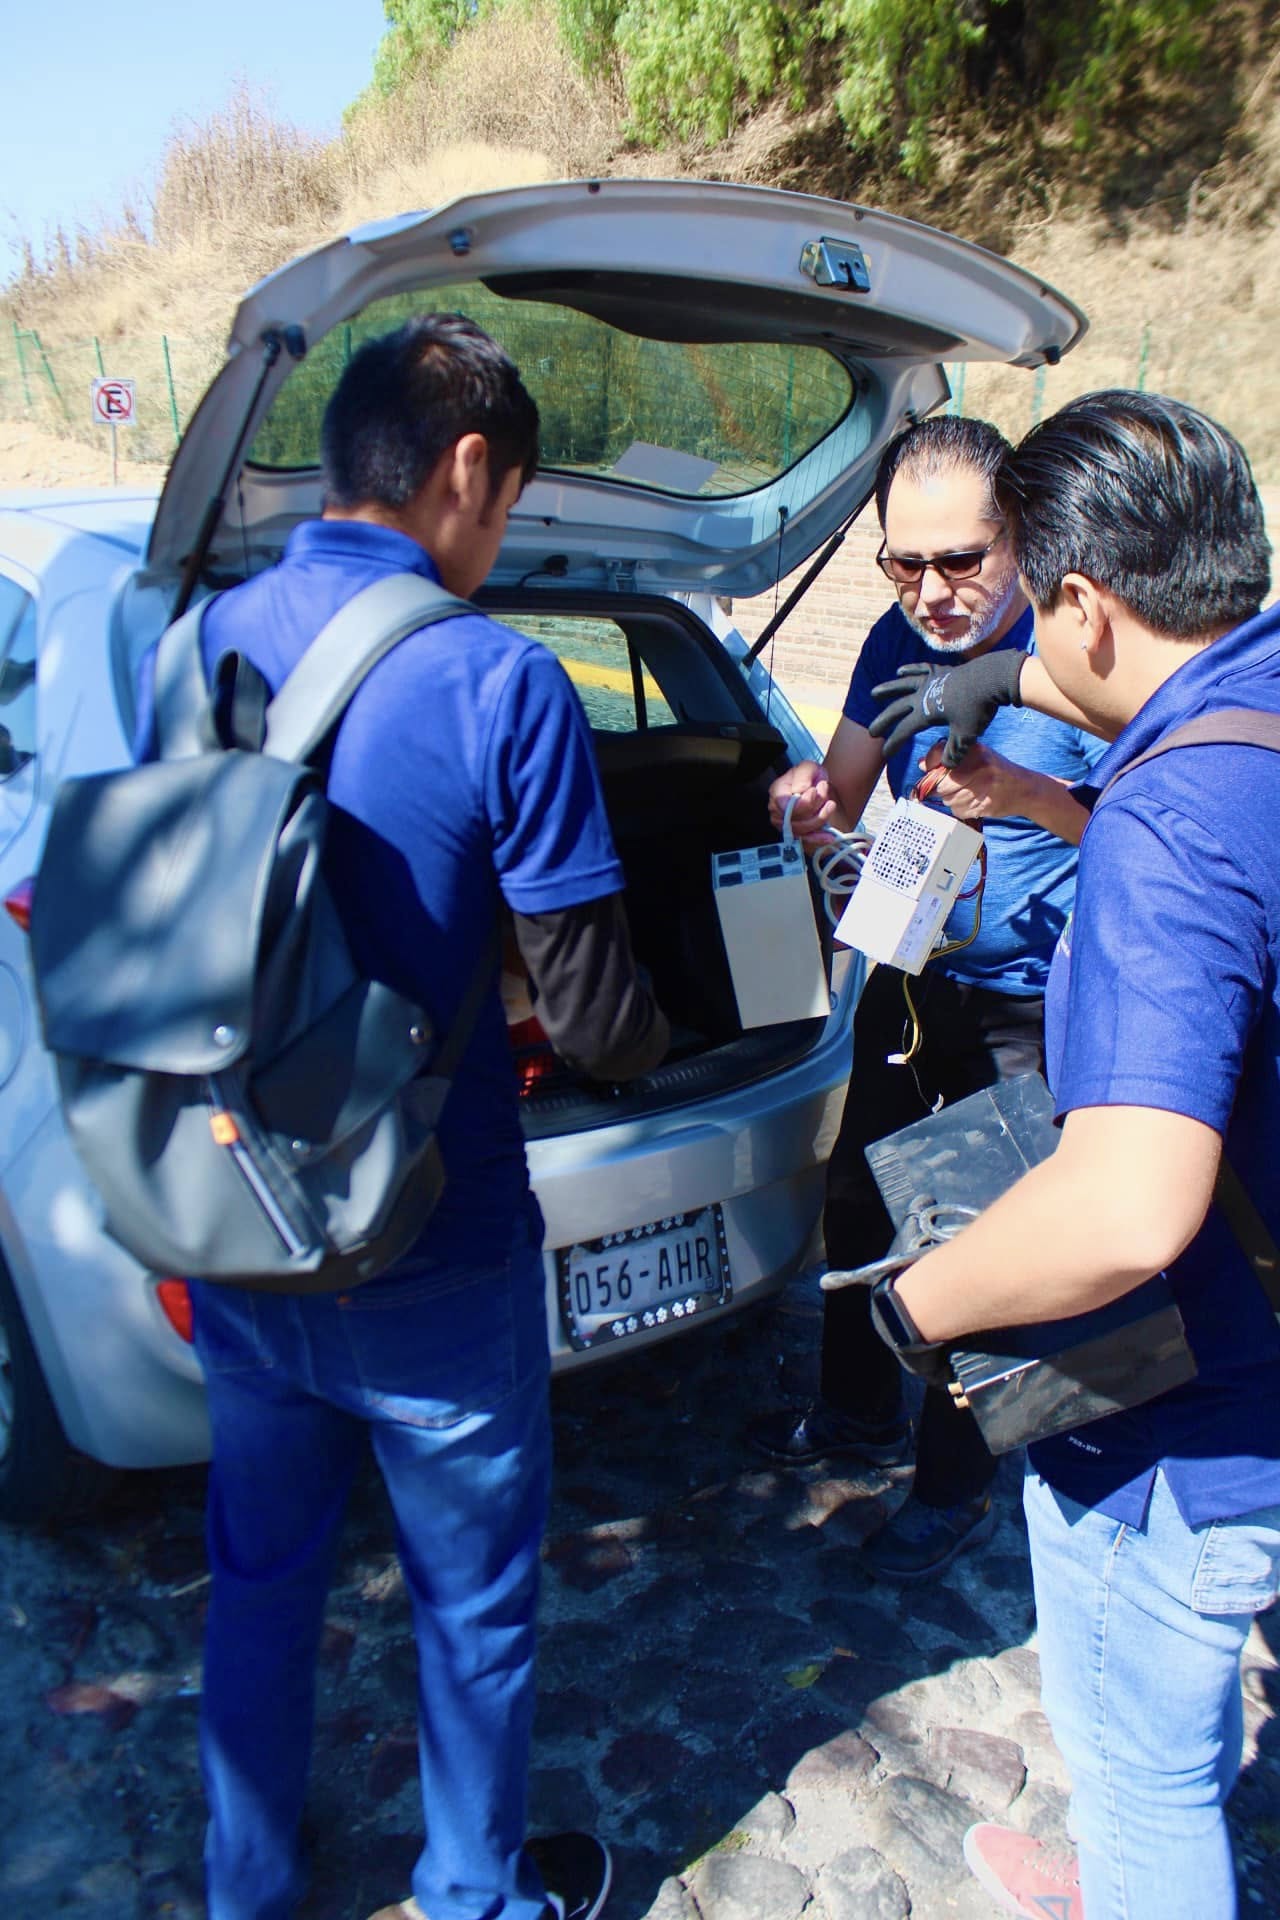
(915, 1029)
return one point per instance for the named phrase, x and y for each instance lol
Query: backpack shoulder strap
(322, 685)
(1242, 727)
(1227, 727)
(181, 692)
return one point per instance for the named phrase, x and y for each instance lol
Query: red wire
(927, 784)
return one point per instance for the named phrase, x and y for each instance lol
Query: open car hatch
(717, 369)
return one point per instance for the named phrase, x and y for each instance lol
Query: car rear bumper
(760, 1153)
(128, 1389)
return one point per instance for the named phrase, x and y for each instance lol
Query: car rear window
(683, 417)
(595, 655)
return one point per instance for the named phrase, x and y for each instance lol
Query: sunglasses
(906, 570)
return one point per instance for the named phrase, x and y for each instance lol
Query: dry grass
(241, 169)
(1180, 295)
(507, 100)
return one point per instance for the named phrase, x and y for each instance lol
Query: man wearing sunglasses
(981, 1010)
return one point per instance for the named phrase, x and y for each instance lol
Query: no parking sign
(112, 402)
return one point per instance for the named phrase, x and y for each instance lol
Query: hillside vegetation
(1126, 150)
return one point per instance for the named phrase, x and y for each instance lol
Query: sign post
(112, 402)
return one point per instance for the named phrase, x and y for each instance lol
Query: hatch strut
(637, 686)
(274, 341)
(802, 587)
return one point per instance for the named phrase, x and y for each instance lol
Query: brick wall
(819, 640)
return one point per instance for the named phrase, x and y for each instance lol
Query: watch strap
(891, 1310)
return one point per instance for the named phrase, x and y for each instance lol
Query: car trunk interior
(686, 759)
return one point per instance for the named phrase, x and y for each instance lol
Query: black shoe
(576, 1871)
(920, 1541)
(819, 1432)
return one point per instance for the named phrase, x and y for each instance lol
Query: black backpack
(250, 1108)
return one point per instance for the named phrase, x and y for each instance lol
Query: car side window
(595, 655)
(17, 678)
(18, 763)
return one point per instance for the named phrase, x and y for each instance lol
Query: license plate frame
(595, 1312)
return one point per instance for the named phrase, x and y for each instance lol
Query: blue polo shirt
(462, 771)
(1030, 872)
(1165, 992)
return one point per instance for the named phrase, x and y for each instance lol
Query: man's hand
(808, 785)
(963, 698)
(986, 786)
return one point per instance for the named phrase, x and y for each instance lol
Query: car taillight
(17, 904)
(534, 1058)
(175, 1302)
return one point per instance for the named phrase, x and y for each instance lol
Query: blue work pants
(446, 1372)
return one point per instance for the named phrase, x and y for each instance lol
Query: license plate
(644, 1277)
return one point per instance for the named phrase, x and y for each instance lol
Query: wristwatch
(894, 1322)
(890, 1317)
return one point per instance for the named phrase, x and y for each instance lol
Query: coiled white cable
(837, 864)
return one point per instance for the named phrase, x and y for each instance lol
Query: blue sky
(90, 91)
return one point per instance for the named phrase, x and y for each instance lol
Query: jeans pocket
(435, 1348)
(227, 1329)
(1239, 1566)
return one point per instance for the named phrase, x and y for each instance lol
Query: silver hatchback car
(717, 370)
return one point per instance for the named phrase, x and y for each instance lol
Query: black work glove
(963, 698)
(893, 1323)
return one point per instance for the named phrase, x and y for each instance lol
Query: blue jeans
(1140, 1634)
(446, 1371)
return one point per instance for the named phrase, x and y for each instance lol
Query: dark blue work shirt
(1030, 871)
(462, 770)
(1164, 993)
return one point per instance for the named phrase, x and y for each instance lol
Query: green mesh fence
(48, 382)
(749, 411)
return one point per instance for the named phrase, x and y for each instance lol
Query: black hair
(932, 446)
(1148, 498)
(406, 397)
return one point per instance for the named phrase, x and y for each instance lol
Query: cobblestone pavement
(758, 1730)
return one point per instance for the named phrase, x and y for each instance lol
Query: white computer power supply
(911, 879)
(770, 934)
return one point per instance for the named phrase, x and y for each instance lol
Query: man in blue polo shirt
(981, 1009)
(461, 778)
(1155, 1533)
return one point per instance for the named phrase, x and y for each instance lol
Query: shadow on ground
(757, 1728)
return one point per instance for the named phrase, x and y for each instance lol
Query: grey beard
(979, 629)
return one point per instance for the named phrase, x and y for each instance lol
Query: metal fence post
(957, 389)
(49, 370)
(97, 353)
(173, 398)
(1144, 354)
(1037, 396)
(22, 366)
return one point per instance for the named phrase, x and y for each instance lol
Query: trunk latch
(836, 263)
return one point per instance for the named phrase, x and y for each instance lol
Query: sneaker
(920, 1541)
(576, 1871)
(1022, 1875)
(819, 1432)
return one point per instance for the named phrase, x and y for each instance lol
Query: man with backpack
(1155, 1531)
(461, 781)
